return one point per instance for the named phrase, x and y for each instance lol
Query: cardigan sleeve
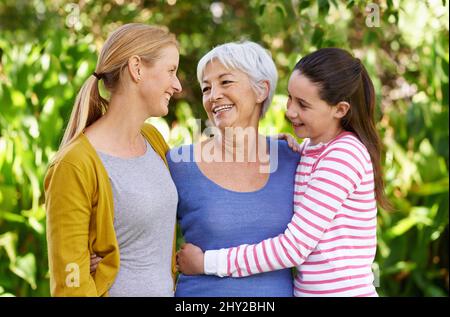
(68, 205)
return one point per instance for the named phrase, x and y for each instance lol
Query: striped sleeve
(336, 175)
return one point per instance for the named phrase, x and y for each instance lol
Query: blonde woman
(108, 191)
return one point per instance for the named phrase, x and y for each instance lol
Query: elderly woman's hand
(190, 260)
(292, 142)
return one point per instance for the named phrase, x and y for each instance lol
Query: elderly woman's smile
(228, 97)
(221, 108)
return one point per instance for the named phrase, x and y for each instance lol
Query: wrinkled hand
(292, 142)
(190, 260)
(95, 260)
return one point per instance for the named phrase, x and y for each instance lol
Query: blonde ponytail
(89, 106)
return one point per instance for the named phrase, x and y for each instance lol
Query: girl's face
(311, 116)
(228, 97)
(160, 81)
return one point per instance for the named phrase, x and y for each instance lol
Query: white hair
(248, 57)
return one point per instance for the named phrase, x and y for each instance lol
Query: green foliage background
(48, 48)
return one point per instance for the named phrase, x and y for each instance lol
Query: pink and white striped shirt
(331, 238)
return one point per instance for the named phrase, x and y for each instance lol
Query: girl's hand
(190, 260)
(95, 260)
(292, 142)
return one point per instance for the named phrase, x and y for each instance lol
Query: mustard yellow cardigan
(80, 219)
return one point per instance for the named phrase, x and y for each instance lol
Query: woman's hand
(292, 142)
(95, 260)
(190, 260)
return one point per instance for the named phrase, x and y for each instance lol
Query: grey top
(145, 205)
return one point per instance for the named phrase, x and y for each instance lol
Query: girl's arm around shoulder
(333, 179)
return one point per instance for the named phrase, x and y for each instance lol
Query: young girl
(331, 238)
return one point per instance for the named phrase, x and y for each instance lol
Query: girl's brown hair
(341, 77)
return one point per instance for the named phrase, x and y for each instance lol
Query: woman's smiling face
(159, 82)
(228, 97)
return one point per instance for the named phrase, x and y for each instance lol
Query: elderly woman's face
(228, 97)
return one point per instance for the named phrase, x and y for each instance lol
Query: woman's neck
(120, 127)
(241, 144)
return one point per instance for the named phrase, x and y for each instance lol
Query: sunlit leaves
(25, 267)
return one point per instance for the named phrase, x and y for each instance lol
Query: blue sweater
(213, 217)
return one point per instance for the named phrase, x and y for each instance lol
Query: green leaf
(4, 294)
(281, 10)
(434, 291)
(401, 266)
(25, 267)
(317, 36)
(8, 197)
(262, 7)
(304, 4)
(428, 189)
(83, 70)
(12, 217)
(350, 4)
(400, 228)
(18, 99)
(8, 242)
(324, 7)
(417, 216)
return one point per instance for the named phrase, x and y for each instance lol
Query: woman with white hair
(236, 187)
